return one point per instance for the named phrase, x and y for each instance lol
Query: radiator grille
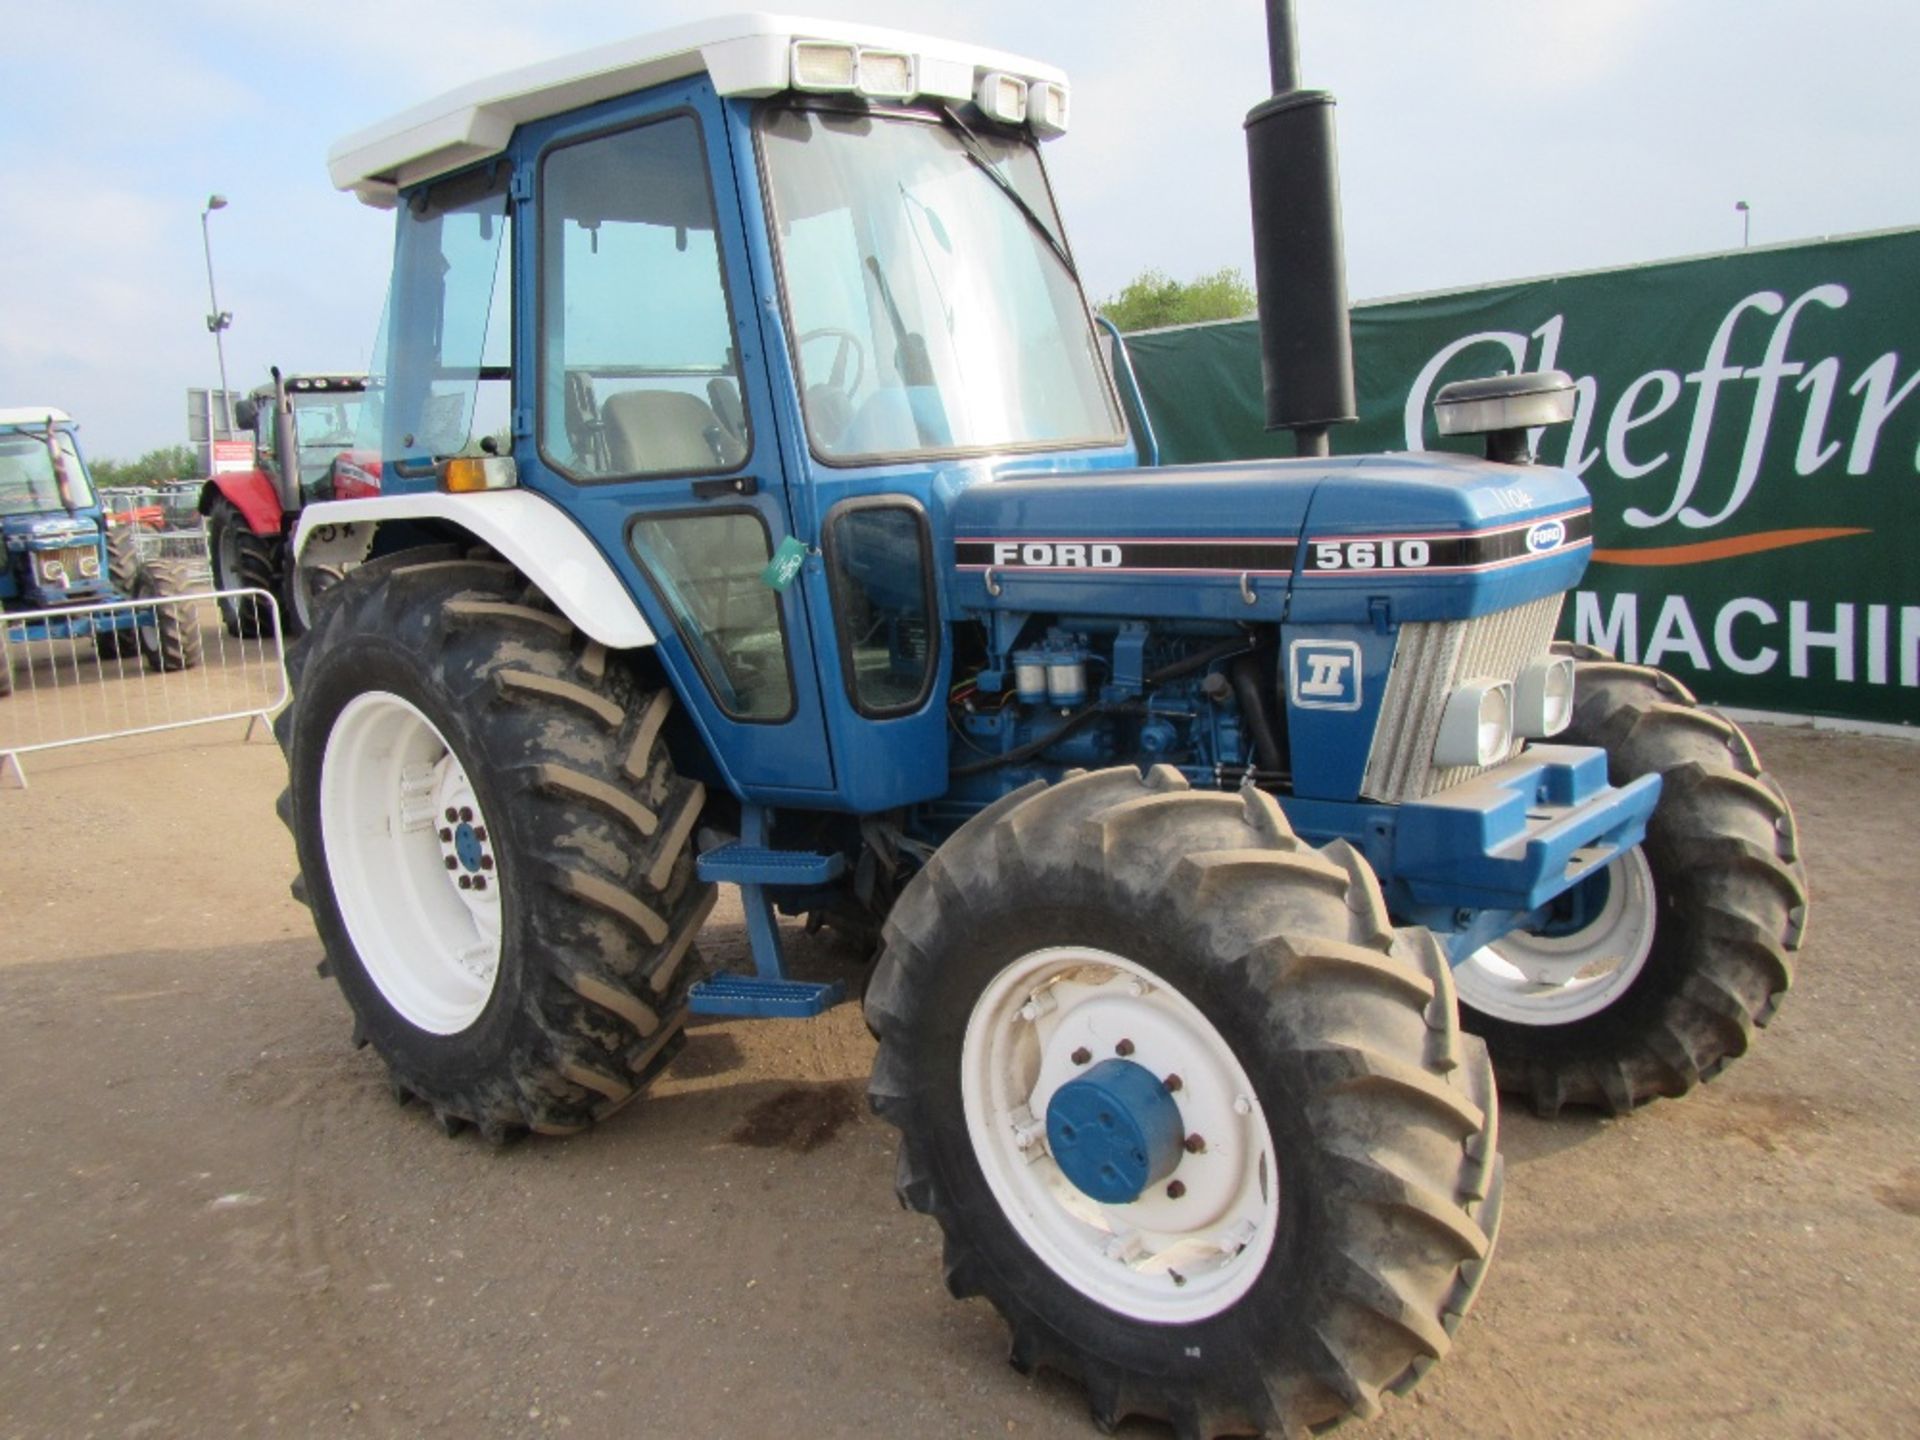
(1429, 661)
(69, 560)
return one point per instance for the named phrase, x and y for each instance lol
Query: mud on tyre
(1701, 922)
(1362, 1178)
(519, 949)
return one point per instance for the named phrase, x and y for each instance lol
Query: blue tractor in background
(758, 506)
(61, 554)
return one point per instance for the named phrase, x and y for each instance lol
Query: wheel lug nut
(1125, 1047)
(1175, 1189)
(466, 812)
(486, 862)
(452, 814)
(452, 864)
(446, 836)
(480, 833)
(479, 882)
(466, 882)
(1172, 1083)
(1082, 1055)
(1196, 1145)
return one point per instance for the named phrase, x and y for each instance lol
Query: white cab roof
(744, 55)
(36, 415)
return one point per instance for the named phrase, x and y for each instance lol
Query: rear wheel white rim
(1162, 1258)
(1533, 979)
(398, 820)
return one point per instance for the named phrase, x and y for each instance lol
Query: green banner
(1749, 425)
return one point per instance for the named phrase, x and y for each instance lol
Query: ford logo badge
(1547, 535)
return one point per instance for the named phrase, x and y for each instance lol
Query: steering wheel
(848, 349)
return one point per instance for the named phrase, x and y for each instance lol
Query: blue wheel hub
(466, 845)
(1114, 1131)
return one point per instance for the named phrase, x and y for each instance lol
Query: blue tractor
(61, 554)
(760, 506)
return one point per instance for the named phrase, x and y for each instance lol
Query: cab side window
(638, 374)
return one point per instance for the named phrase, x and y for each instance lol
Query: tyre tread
(614, 905)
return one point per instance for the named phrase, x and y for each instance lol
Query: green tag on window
(785, 565)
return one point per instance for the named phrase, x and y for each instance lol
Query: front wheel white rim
(412, 864)
(1535, 979)
(1176, 1254)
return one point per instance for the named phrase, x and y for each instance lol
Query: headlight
(90, 566)
(1477, 725)
(52, 571)
(1543, 698)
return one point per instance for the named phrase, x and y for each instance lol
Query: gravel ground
(215, 1221)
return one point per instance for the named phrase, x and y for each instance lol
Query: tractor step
(764, 998)
(738, 863)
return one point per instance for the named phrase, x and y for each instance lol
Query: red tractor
(304, 429)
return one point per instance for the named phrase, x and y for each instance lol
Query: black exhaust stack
(1299, 264)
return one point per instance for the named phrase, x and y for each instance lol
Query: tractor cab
(761, 302)
(49, 514)
(302, 427)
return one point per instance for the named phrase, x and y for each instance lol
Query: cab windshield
(931, 312)
(324, 424)
(28, 482)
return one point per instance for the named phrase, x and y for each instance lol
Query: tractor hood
(1375, 539)
(39, 532)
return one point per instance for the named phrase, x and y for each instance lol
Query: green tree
(156, 467)
(1153, 299)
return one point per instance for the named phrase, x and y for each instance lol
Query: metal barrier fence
(165, 522)
(102, 672)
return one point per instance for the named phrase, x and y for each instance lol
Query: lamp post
(1746, 222)
(219, 319)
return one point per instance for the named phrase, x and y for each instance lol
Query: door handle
(730, 485)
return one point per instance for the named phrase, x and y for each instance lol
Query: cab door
(646, 412)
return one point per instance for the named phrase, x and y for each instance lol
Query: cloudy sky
(1480, 140)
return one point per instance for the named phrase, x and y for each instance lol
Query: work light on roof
(1047, 108)
(1001, 97)
(826, 67)
(886, 74)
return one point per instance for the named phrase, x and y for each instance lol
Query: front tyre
(1191, 1115)
(494, 843)
(168, 636)
(1652, 976)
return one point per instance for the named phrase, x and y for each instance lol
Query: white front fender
(539, 537)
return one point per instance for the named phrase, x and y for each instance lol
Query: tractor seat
(663, 431)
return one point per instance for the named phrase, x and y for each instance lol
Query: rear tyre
(1659, 971)
(168, 635)
(1338, 1197)
(243, 560)
(523, 962)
